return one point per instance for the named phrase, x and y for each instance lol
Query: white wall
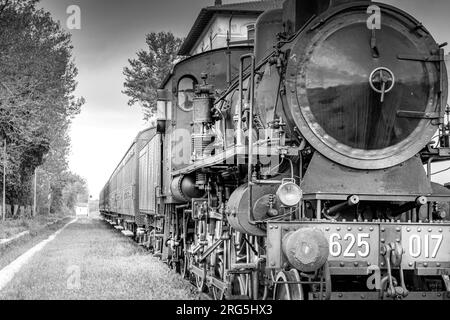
(81, 211)
(217, 31)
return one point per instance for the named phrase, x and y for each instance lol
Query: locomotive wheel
(285, 291)
(217, 293)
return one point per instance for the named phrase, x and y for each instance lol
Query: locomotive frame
(312, 222)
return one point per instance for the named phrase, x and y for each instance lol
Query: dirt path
(90, 260)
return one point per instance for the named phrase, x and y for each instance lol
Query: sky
(112, 31)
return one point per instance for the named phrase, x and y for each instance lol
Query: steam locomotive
(294, 169)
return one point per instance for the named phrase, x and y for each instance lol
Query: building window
(186, 87)
(251, 32)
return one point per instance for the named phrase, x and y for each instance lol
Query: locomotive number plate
(353, 243)
(425, 244)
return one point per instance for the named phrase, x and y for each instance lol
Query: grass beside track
(38, 232)
(12, 227)
(107, 265)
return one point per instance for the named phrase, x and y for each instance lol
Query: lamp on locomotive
(289, 193)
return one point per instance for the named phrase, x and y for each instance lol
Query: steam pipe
(239, 137)
(420, 201)
(229, 52)
(351, 202)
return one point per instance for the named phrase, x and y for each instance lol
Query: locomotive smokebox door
(359, 109)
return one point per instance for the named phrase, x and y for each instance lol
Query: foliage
(146, 73)
(37, 81)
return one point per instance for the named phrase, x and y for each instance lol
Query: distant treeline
(37, 105)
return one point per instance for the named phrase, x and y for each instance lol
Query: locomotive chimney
(298, 12)
(218, 2)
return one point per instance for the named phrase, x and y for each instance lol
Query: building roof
(206, 14)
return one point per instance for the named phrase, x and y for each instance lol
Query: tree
(146, 73)
(37, 81)
(75, 191)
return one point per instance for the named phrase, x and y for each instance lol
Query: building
(212, 26)
(82, 210)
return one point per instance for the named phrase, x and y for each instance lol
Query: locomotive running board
(325, 180)
(233, 156)
(355, 296)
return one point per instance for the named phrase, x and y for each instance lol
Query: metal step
(118, 227)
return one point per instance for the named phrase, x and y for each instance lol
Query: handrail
(251, 85)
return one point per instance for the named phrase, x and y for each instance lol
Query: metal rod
(267, 182)
(442, 103)
(239, 138)
(300, 178)
(255, 284)
(229, 52)
(319, 210)
(251, 84)
(429, 174)
(210, 250)
(420, 201)
(351, 201)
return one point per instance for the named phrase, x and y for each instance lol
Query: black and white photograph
(239, 151)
